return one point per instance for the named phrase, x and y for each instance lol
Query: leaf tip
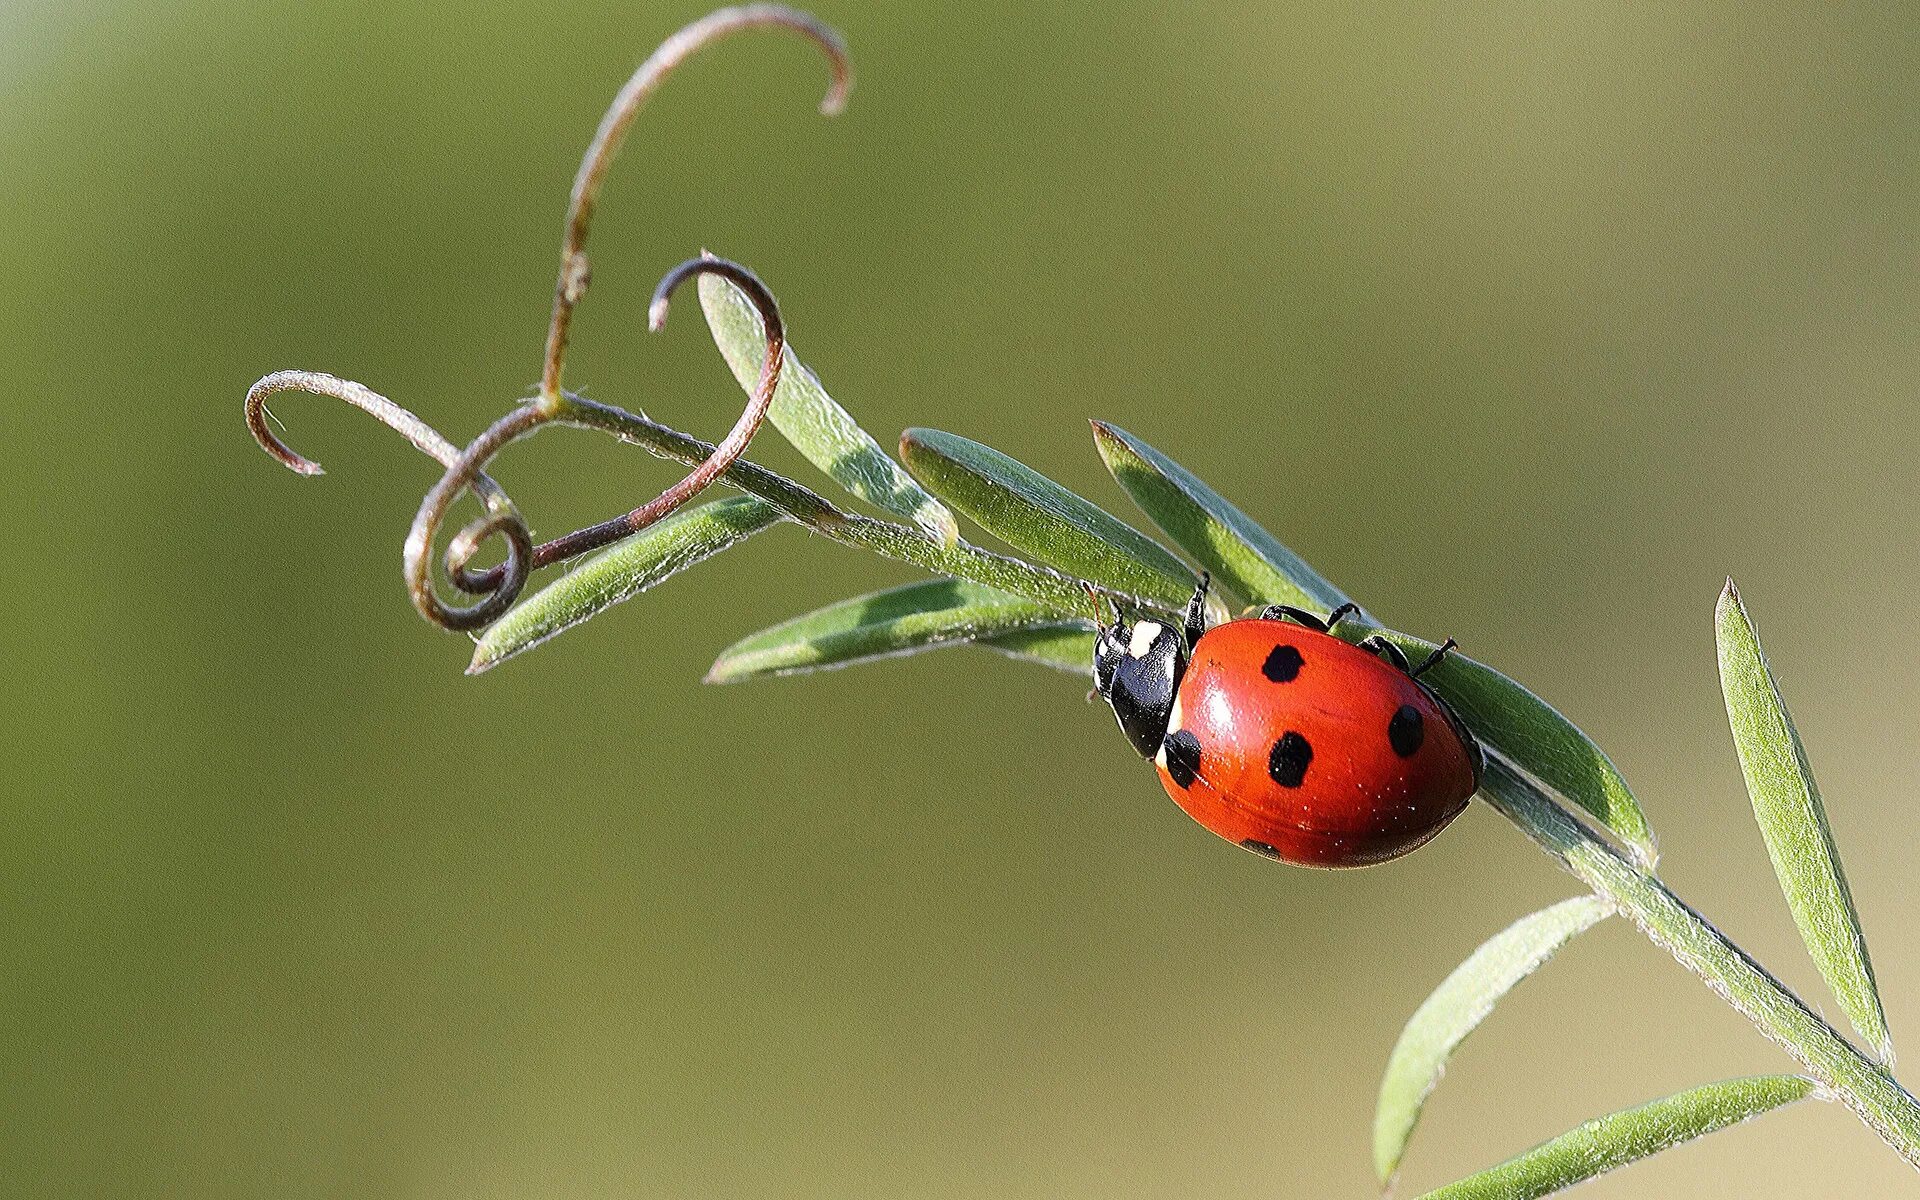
(1645, 851)
(943, 525)
(1730, 598)
(488, 654)
(1388, 1172)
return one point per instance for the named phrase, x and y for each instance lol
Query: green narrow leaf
(1607, 1143)
(901, 620)
(1456, 1008)
(1032, 513)
(809, 418)
(1532, 735)
(623, 569)
(1243, 556)
(1063, 647)
(1793, 820)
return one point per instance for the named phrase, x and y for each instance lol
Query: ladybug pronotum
(1286, 740)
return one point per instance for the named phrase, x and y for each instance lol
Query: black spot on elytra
(1183, 757)
(1288, 762)
(1406, 731)
(1261, 848)
(1282, 665)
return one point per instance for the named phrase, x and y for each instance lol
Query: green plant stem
(1856, 1080)
(1865, 1087)
(1056, 589)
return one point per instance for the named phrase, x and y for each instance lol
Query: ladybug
(1286, 740)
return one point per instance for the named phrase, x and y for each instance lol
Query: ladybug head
(1136, 668)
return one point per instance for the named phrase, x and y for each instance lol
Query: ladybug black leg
(1387, 650)
(1299, 616)
(1340, 614)
(1434, 658)
(1197, 610)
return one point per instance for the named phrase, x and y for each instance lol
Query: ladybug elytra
(1286, 740)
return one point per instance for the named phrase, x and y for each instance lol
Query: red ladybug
(1282, 738)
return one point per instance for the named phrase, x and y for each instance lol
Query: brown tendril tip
(501, 517)
(575, 269)
(424, 437)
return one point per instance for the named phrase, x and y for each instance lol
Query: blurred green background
(1526, 323)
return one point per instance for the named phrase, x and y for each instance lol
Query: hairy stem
(1856, 1080)
(889, 539)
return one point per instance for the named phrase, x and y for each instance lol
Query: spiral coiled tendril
(500, 585)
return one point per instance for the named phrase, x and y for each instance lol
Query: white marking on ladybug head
(1173, 714)
(1144, 635)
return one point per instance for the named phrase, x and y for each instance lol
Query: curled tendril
(424, 437)
(502, 584)
(502, 589)
(465, 468)
(575, 269)
(501, 517)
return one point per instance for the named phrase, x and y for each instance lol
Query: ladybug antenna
(1095, 595)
